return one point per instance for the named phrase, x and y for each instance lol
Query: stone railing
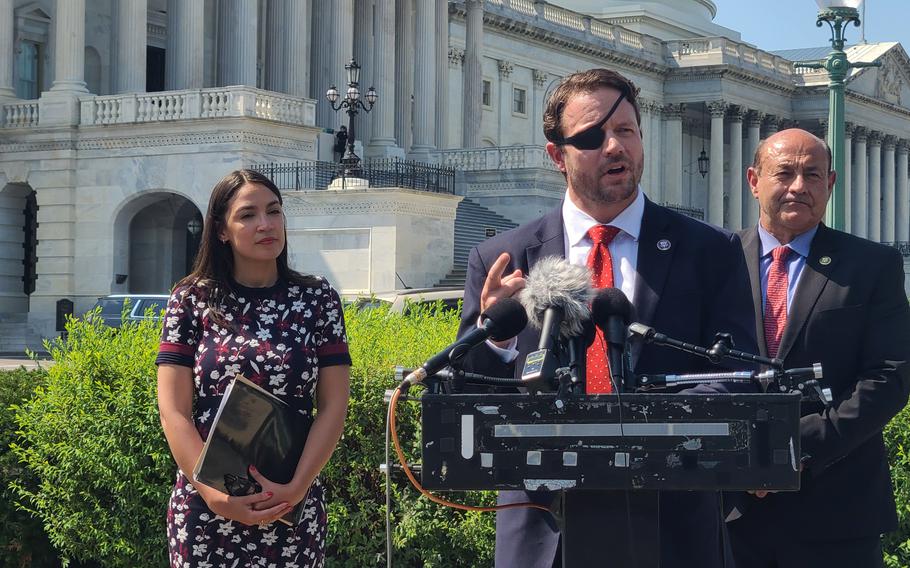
(19, 115)
(585, 28)
(498, 158)
(697, 52)
(198, 103)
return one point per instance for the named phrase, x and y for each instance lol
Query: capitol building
(117, 117)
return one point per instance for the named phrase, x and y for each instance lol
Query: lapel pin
(663, 244)
(825, 260)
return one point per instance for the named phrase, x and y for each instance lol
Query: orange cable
(393, 405)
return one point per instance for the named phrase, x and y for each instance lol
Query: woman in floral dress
(243, 311)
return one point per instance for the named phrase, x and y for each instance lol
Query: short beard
(587, 188)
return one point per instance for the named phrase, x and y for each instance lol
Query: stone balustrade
(497, 158)
(696, 52)
(197, 103)
(19, 115)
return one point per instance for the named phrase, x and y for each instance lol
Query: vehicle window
(110, 307)
(155, 304)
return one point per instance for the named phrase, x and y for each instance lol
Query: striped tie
(776, 303)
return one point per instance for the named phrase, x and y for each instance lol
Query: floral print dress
(278, 337)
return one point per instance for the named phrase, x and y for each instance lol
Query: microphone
(611, 311)
(503, 320)
(556, 297)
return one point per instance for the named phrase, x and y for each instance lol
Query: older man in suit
(821, 295)
(685, 278)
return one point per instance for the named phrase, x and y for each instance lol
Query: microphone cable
(393, 430)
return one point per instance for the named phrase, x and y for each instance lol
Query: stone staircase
(16, 335)
(473, 224)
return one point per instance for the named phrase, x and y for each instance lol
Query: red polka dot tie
(601, 264)
(776, 302)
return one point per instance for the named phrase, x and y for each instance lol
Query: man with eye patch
(821, 295)
(683, 277)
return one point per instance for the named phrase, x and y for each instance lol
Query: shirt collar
(577, 222)
(800, 243)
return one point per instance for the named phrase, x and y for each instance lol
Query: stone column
(132, 37)
(237, 42)
(673, 170)
(652, 162)
(7, 44)
(772, 124)
(298, 35)
(382, 142)
(278, 29)
(860, 185)
(847, 176)
(69, 47)
(735, 202)
(715, 212)
(875, 186)
(644, 106)
(473, 74)
(442, 74)
(363, 53)
(404, 72)
(750, 210)
(425, 82)
(540, 86)
(333, 47)
(888, 191)
(902, 208)
(185, 48)
(505, 100)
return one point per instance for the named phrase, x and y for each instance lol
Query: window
(27, 61)
(487, 96)
(519, 100)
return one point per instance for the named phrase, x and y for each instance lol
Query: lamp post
(352, 103)
(837, 14)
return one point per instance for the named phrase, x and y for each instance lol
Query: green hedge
(89, 461)
(90, 441)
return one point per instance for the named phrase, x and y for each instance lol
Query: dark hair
(756, 159)
(585, 82)
(214, 264)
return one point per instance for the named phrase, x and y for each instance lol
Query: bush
(102, 470)
(423, 533)
(92, 438)
(23, 541)
(897, 439)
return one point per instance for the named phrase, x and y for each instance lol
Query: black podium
(609, 455)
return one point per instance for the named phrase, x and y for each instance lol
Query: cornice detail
(385, 206)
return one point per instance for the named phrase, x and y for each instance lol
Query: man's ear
(832, 177)
(555, 153)
(752, 178)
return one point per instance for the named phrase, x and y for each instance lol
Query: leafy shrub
(424, 534)
(897, 439)
(23, 541)
(102, 470)
(92, 438)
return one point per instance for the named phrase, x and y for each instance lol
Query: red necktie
(601, 264)
(776, 302)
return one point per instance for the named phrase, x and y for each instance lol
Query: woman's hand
(290, 493)
(247, 509)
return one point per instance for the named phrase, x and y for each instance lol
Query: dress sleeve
(180, 332)
(332, 342)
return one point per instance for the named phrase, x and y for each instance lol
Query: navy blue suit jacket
(694, 288)
(850, 314)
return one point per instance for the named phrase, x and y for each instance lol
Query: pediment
(34, 11)
(889, 83)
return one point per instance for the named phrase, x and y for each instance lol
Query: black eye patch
(593, 137)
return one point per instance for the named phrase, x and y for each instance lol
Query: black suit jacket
(690, 290)
(850, 313)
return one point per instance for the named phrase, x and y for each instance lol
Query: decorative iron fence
(378, 172)
(902, 246)
(687, 211)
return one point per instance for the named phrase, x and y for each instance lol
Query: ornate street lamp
(837, 14)
(352, 103)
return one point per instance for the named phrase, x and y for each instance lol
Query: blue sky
(788, 24)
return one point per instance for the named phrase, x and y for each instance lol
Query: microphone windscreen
(506, 318)
(610, 302)
(589, 332)
(555, 283)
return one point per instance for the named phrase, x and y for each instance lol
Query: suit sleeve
(881, 388)
(481, 359)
